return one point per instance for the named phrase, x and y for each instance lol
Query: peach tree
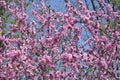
(48, 46)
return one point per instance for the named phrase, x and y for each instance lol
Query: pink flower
(1, 59)
(43, 60)
(0, 22)
(108, 46)
(42, 40)
(33, 12)
(85, 57)
(116, 14)
(103, 63)
(62, 75)
(49, 39)
(51, 66)
(48, 58)
(57, 74)
(57, 55)
(51, 75)
(70, 74)
(79, 2)
(66, 56)
(118, 63)
(109, 8)
(118, 27)
(103, 38)
(35, 5)
(76, 69)
(40, 18)
(13, 53)
(23, 57)
(100, 1)
(75, 56)
(30, 72)
(55, 50)
(3, 4)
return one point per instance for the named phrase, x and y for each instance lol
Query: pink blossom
(108, 46)
(1, 59)
(43, 60)
(109, 8)
(118, 27)
(49, 39)
(75, 56)
(23, 57)
(67, 56)
(33, 12)
(3, 3)
(49, 47)
(48, 58)
(116, 14)
(55, 50)
(42, 40)
(103, 63)
(79, 2)
(51, 66)
(58, 73)
(13, 53)
(0, 22)
(103, 38)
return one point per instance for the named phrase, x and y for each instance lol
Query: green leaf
(118, 75)
(14, 67)
(115, 1)
(9, 20)
(35, 71)
(4, 31)
(3, 17)
(110, 23)
(6, 0)
(31, 0)
(12, 21)
(16, 35)
(101, 31)
(26, 4)
(4, 78)
(16, 1)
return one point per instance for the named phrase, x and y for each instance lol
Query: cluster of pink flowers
(56, 54)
